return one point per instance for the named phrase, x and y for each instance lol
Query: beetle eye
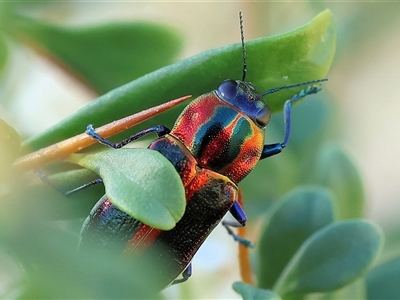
(263, 116)
(228, 90)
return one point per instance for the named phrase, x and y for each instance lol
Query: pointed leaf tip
(249, 292)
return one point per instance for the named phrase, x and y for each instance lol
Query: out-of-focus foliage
(307, 245)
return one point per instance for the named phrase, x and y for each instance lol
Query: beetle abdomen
(107, 227)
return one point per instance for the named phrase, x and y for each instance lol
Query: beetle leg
(84, 186)
(185, 275)
(238, 213)
(228, 225)
(43, 177)
(272, 149)
(46, 179)
(159, 129)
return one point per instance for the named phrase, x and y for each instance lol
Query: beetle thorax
(220, 137)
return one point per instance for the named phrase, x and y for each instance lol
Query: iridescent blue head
(244, 96)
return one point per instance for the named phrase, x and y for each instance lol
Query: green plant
(307, 246)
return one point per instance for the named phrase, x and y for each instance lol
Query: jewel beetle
(215, 142)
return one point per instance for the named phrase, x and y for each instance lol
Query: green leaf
(354, 290)
(3, 54)
(47, 255)
(336, 171)
(331, 258)
(249, 292)
(294, 219)
(310, 122)
(392, 239)
(300, 55)
(46, 199)
(383, 281)
(9, 148)
(104, 56)
(140, 182)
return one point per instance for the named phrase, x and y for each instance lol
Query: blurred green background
(362, 91)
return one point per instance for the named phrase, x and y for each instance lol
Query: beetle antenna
(243, 46)
(274, 90)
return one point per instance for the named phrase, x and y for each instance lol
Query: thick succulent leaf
(103, 56)
(249, 292)
(331, 258)
(336, 171)
(354, 290)
(9, 147)
(300, 55)
(140, 182)
(383, 281)
(47, 254)
(294, 219)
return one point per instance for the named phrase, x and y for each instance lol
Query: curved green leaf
(336, 171)
(297, 56)
(249, 292)
(9, 148)
(383, 281)
(104, 56)
(331, 258)
(294, 219)
(354, 290)
(140, 182)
